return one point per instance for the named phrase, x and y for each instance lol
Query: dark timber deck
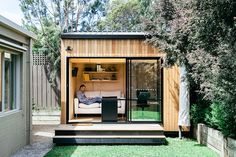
(110, 134)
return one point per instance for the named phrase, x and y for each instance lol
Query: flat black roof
(104, 35)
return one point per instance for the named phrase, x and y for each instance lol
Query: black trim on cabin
(162, 92)
(102, 36)
(127, 113)
(126, 90)
(186, 134)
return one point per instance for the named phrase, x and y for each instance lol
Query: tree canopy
(200, 35)
(122, 15)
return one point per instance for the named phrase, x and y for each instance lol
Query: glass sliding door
(144, 90)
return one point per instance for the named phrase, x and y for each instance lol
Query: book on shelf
(86, 77)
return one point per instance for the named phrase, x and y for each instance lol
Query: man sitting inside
(86, 100)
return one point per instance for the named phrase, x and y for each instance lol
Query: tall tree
(60, 12)
(49, 18)
(93, 15)
(124, 15)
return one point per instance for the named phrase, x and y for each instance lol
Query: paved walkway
(42, 142)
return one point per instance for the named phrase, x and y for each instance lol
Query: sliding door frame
(129, 84)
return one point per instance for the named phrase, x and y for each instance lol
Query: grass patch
(175, 148)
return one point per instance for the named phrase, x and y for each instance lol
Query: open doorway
(102, 77)
(136, 83)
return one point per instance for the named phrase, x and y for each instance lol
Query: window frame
(17, 86)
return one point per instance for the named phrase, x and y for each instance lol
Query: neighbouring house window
(10, 82)
(1, 54)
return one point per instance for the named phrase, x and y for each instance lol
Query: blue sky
(11, 10)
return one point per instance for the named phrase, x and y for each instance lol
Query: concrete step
(46, 113)
(46, 118)
(45, 122)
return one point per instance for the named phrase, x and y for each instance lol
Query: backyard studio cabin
(119, 65)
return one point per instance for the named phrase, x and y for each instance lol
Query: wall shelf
(100, 72)
(105, 73)
(101, 81)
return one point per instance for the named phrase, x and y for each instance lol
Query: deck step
(110, 134)
(106, 132)
(112, 139)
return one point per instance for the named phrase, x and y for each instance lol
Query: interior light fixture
(69, 48)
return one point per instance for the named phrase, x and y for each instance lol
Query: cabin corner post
(171, 98)
(63, 83)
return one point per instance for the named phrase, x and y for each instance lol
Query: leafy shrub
(218, 115)
(227, 120)
(198, 113)
(214, 115)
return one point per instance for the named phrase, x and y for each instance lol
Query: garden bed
(216, 141)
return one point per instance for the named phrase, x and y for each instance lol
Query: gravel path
(42, 142)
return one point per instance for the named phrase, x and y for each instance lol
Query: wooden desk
(109, 109)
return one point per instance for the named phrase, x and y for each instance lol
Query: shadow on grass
(166, 142)
(199, 145)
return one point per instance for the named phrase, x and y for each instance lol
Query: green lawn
(146, 115)
(175, 148)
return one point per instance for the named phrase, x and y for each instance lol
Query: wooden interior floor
(93, 119)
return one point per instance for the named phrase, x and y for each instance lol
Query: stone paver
(41, 144)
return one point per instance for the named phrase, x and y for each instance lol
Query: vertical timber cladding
(124, 48)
